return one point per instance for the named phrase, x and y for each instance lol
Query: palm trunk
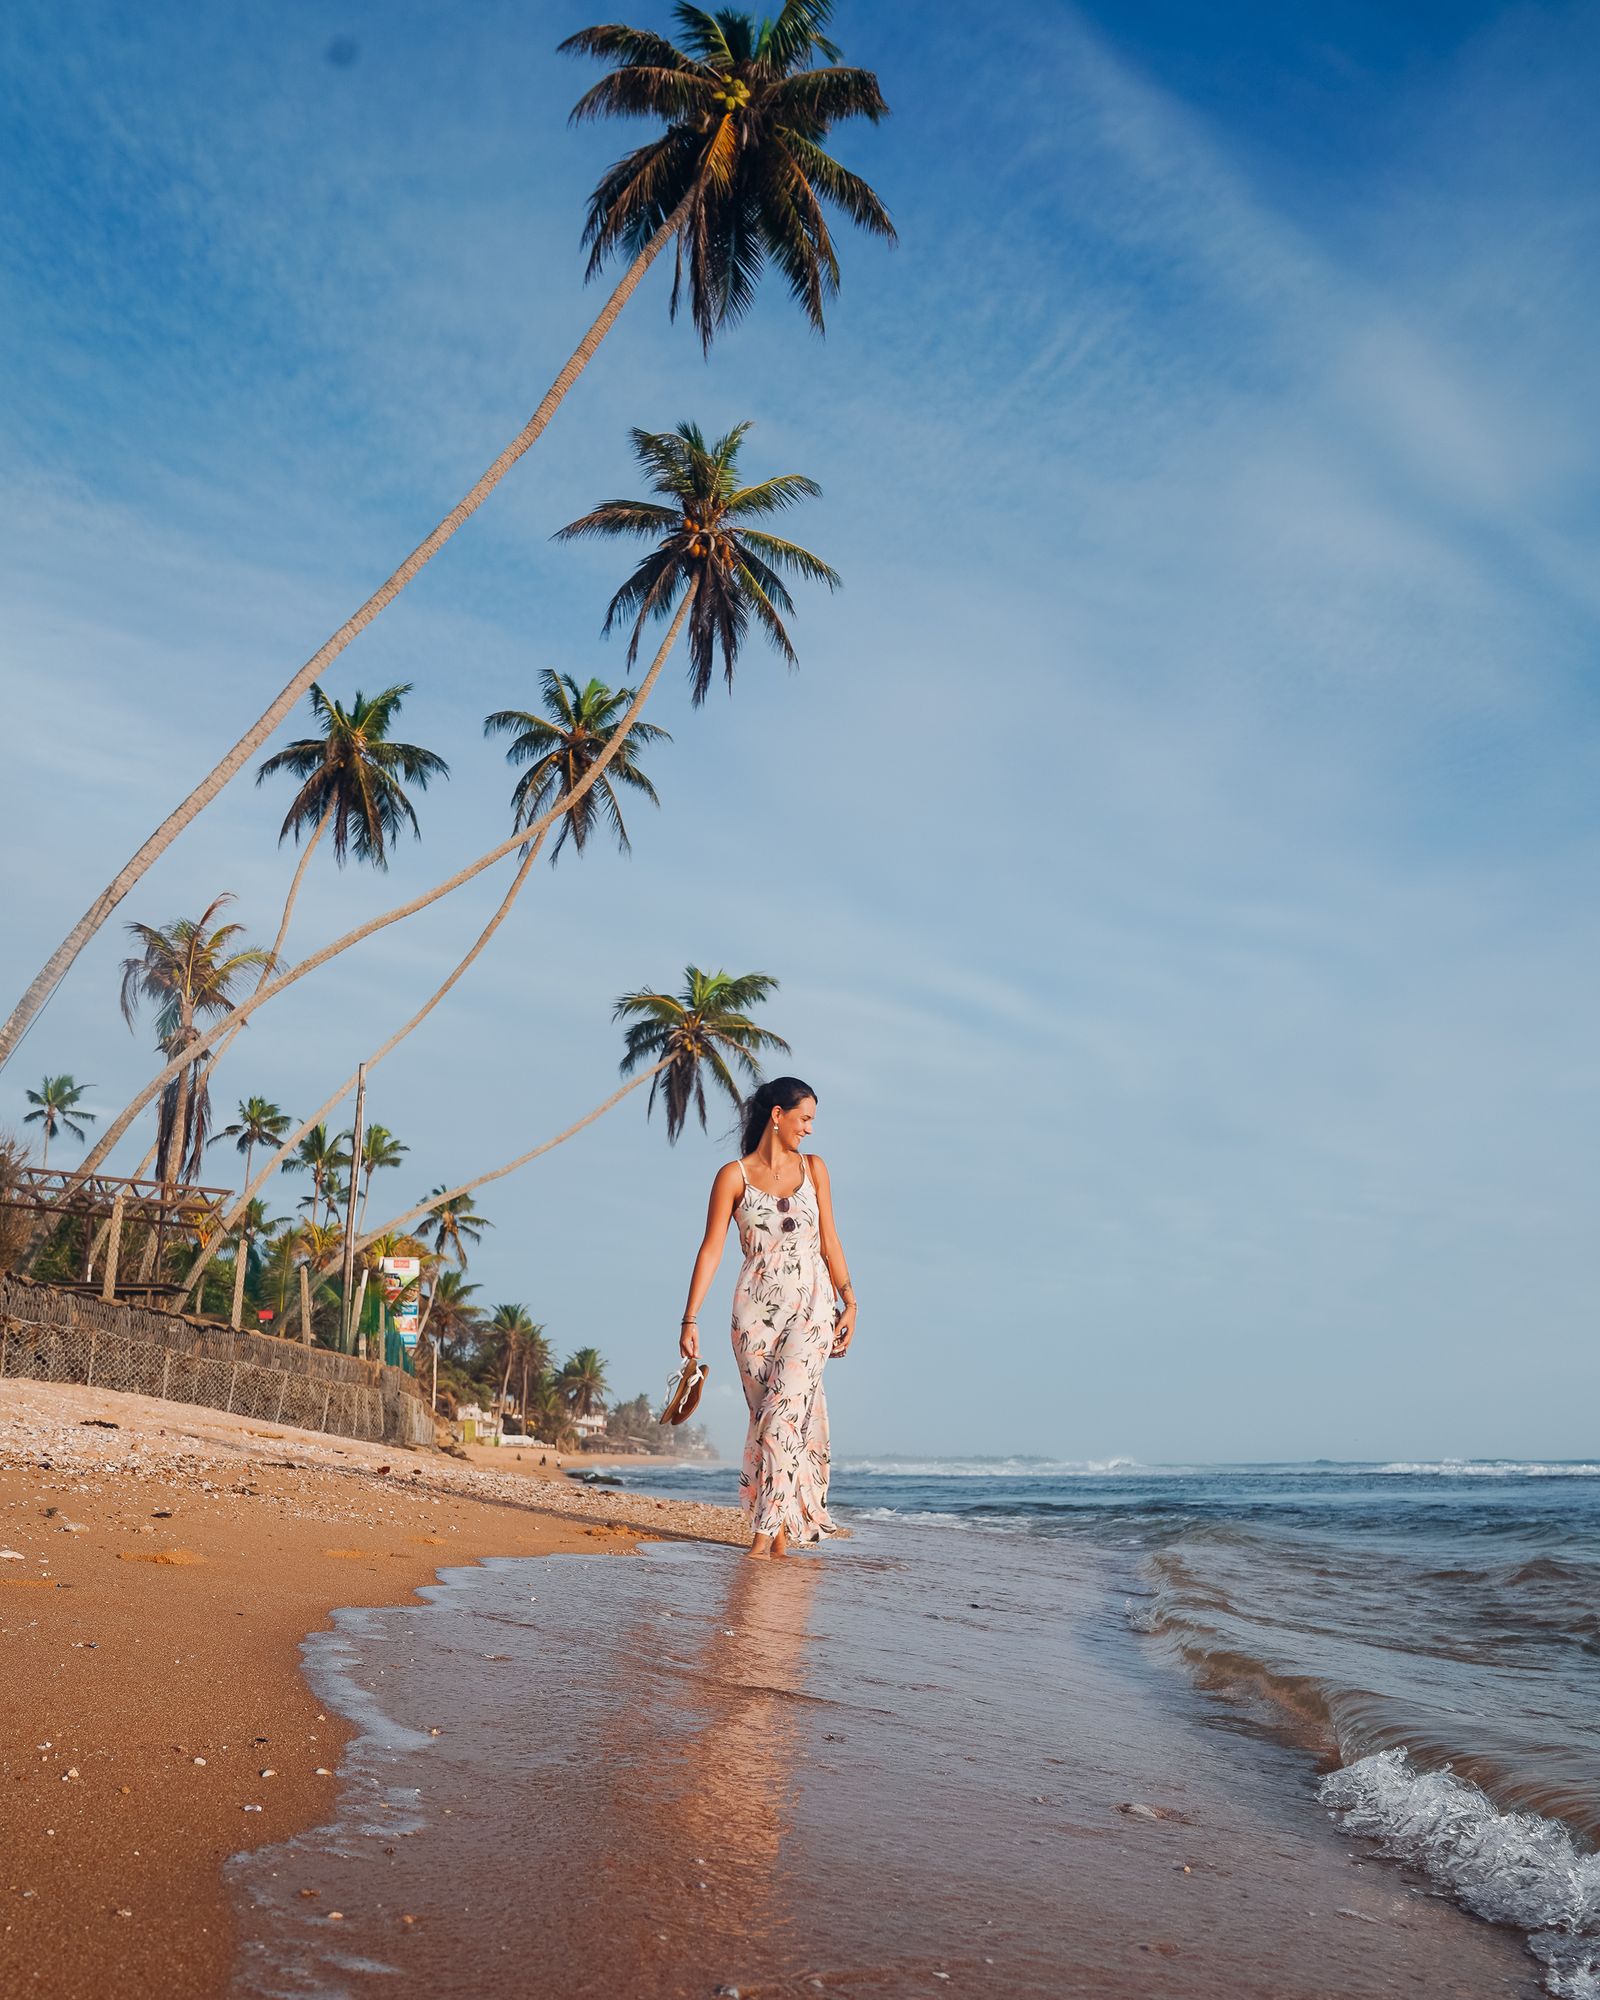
(499, 1408)
(241, 1255)
(401, 1222)
(44, 1158)
(55, 968)
(325, 1110)
(317, 959)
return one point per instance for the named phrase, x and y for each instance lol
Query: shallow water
(897, 1767)
(1434, 1629)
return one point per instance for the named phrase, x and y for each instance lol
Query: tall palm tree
(321, 1156)
(187, 972)
(738, 175)
(703, 1031)
(455, 1223)
(693, 565)
(354, 776)
(379, 1148)
(746, 107)
(563, 745)
(706, 1027)
(582, 1381)
(56, 1105)
(259, 1122)
(704, 543)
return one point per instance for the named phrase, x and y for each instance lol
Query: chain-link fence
(53, 1336)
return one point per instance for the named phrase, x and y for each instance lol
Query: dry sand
(164, 1564)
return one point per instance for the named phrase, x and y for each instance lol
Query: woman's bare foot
(780, 1543)
(760, 1549)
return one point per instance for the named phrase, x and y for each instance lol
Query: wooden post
(305, 1301)
(108, 1284)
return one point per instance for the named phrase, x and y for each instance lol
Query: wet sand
(914, 1763)
(919, 1763)
(170, 1569)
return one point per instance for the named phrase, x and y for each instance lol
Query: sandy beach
(164, 1564)
(283, 1717)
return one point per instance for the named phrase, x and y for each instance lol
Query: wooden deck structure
(164, 1207)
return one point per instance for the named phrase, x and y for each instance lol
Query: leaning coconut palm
(706, 1027)
(455, 1223)
(354, 776)
(703, 1031)
(56, 1105)
(737, 175)
(704, 537)
(688, 571)
(186, 971)
(560, 746)
(746, 106)
(258, 1123)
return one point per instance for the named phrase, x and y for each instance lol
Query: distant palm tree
(704, 545)
(57, 1106)
(746, 106)
(379, 1148)
(521, 1341)
(321, 1156)
(353, 773)
(186, 971)
(450, 1313)
(455, 1223)
(703, 1031)
(259, 1123)
(547, 1412)
(563, 745)
(582, 1381)
(314, 1243)
(739, 176)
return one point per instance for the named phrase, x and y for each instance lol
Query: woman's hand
(844, 1328)
(689, 1341)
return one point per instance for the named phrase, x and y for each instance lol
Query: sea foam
(1511, 1868)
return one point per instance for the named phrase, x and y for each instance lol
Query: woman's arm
(725, 1191)
(833, 1254)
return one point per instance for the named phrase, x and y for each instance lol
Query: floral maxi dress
(782, 1333)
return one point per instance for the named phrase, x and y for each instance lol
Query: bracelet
(690, 1319)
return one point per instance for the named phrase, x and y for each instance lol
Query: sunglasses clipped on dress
(683, 1391)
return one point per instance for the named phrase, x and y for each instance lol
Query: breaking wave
(1512, 1868)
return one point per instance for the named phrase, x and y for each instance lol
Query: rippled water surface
(1432, 1630)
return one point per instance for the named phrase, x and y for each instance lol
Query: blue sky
(1178, 846)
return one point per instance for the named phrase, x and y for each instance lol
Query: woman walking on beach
(785, 1321)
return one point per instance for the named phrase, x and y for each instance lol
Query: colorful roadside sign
(401, 1279)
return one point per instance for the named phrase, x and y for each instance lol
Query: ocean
(1035, 1728)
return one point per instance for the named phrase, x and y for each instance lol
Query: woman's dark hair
(783, 1093)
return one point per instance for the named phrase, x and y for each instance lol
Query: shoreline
(154, 1540)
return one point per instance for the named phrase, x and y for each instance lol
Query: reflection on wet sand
(701, 1756)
